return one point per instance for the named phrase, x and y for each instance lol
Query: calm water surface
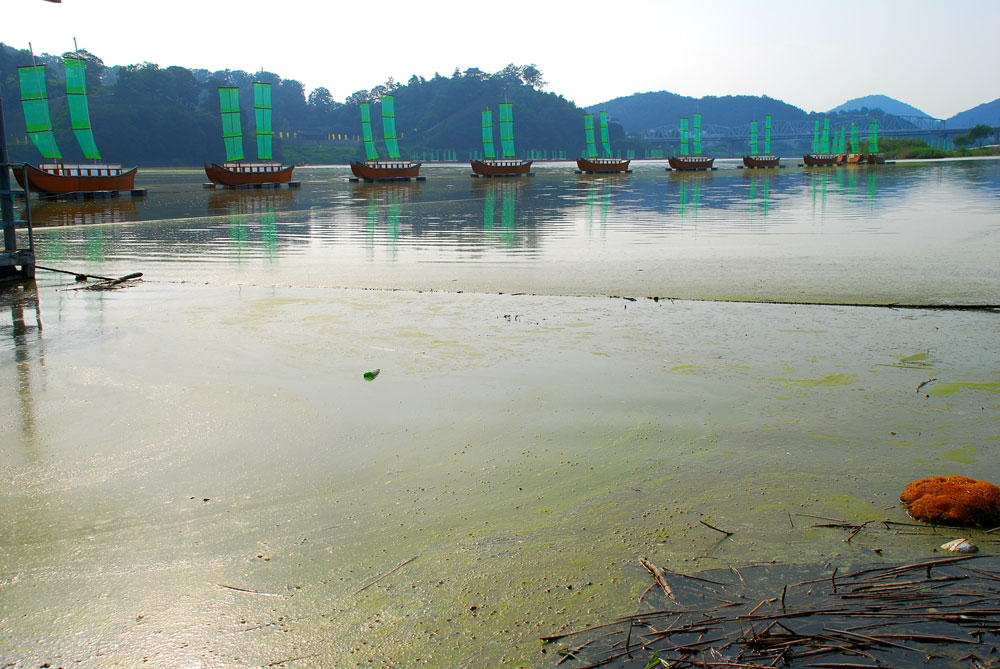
(909, 233)
(195, 473)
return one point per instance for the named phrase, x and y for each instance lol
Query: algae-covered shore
(200, 475)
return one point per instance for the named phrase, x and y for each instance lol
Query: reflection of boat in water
(234, 172)
(592, 163)
(55, 213)
(509, 164)
(761, 160)
(223, 201)
(56, 177)
(691, 163)
(374, 169)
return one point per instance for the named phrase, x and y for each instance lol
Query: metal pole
(6, 200)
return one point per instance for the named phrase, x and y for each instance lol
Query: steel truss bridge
(922, 127)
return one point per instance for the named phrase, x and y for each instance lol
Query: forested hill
(150, 115)
(647, 112)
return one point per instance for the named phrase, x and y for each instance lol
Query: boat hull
(41, 181)
(500, 168)
(875, 159)
(380, 171)
(690, 163)
(602, 165)
(820, 159)
(761, 161)
(222, 176)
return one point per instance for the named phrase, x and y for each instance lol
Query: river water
(574, 371)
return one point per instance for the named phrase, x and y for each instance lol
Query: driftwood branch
(381, 576)
(660, 578)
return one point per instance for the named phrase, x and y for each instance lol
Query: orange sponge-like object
(953, 500)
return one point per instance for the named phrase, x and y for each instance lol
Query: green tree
(979, 132)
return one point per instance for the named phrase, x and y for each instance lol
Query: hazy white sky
(938, 56)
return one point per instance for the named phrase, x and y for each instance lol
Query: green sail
(507, 129)
(815, 145)
(35, 102)
(842, 141)
(684, 137)
(588, 129)
(605, 142)
(855, 140)
(389, 127)
(753, 138)
(262, 112)
(488, 150)
(79, 113)
(825, 145)
(767, 135)
(697, 134)
(366, 132)
(873, 136)
(232, 133)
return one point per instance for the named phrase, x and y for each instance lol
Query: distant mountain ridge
(644, 112)
(883, 102)
(987, 113)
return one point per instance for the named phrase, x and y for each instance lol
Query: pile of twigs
(934, 611)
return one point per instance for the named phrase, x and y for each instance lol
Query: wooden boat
(602, 165)
(248, 174)
(373, 168)
(508, 165)
(498, 167)
(875, 159)
(759, 161)
(592, 163)
(820, 159)
(379, 170)
(853, 159)
(63, 178)
(56, 176)
(690, 163)
(234, 172)
(685, 162)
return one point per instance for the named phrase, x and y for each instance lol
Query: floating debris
(934, 612)
(960, 546)
(370, 376)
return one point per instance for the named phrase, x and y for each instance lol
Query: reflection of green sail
(697, 134)
(684, 137)
(232, 133)
(507, 214)
(753, 138)
(815, 144)
(588, 128)
(489, 205)
(269, 231)
(262, 112)
(507, 129)
(767, 135)
(488, 150)
(79, 113)
(393, 216)
(366, 129)
(825, 146)
(35, 102)
(605, 142)
(389, 127)
(605, 204)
